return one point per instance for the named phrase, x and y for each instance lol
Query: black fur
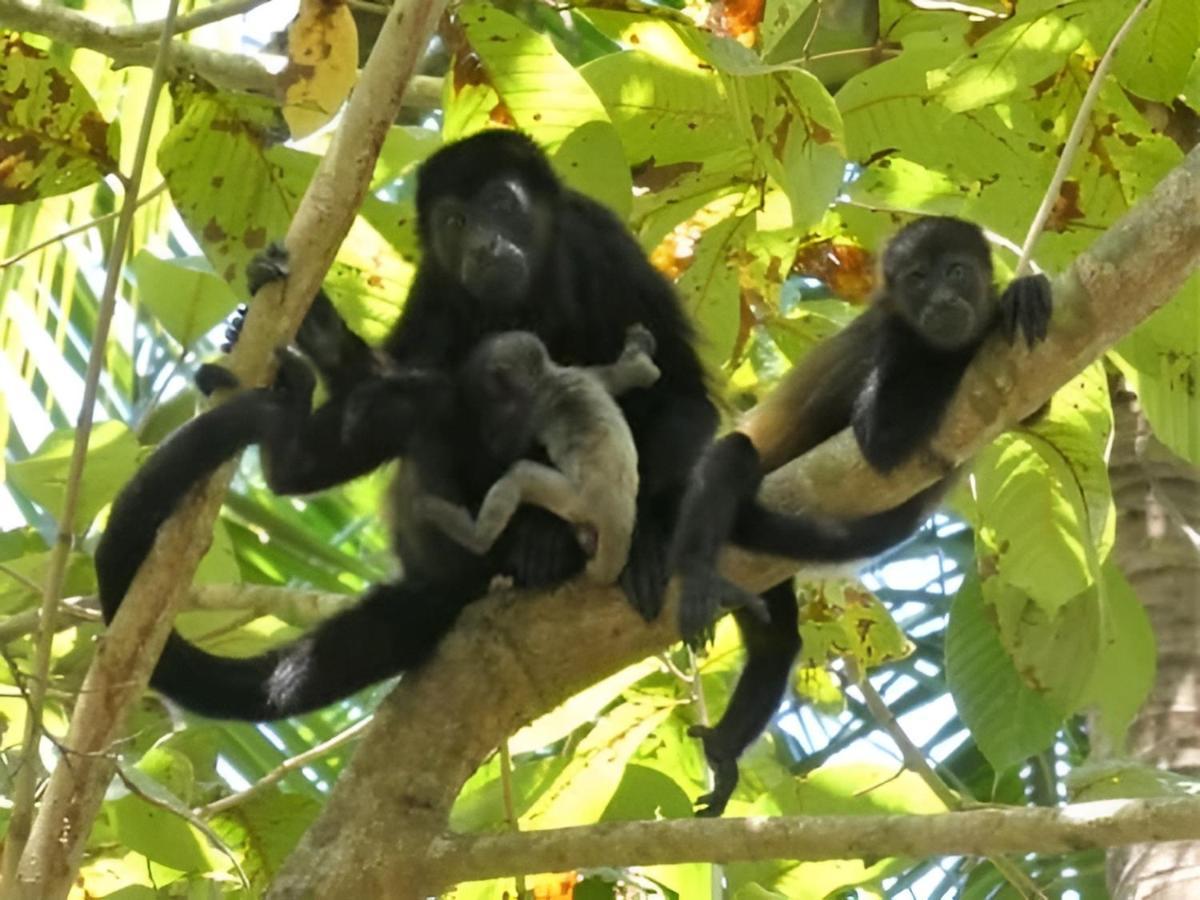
(890, 376)
(588, 281)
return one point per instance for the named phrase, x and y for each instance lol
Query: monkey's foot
(724, 769)
(646, 573)
(211, 378)
(268, 266)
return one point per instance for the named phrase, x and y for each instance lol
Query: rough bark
(505, 663)
(1157, 496)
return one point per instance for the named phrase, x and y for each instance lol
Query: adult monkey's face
(491, 243)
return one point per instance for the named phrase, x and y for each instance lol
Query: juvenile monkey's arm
(634, 367)
(525, 482)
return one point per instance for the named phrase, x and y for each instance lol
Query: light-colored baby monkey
(525, 398)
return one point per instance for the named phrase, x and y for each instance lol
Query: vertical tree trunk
(1158, 520)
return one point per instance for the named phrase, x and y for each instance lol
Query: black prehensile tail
(393, 628)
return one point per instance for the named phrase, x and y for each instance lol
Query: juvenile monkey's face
(501, 380)
(947, 298)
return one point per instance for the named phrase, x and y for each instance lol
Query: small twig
(812, 32)
(510, 809)
(187, 815)
(665, 659)
(144, 32)
(19, 625)
(1074, 139)
(19, 578)
(79, 229)
(285, 768)
(914, 761)
(26, 782)
(913, 758)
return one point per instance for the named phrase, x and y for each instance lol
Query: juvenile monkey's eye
(454, 220)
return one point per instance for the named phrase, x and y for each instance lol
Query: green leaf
(665, 114)
(1008, 61)
(186, 298)
(1161, 359)
(545, 94)
(1043, 498)
(646, 794)
(710, 291)
(162, 835)
(1124, 673)
(268, 825)
(1075, 433)
(1055, 653)
(592, 161)
(1008, 721)
(52, 137)
(587, 784)
(248, 194)
(1122, 779)
(796, 131)
(111, 461)
(584, 707)
(853, 789)
(1155, 58)
(480, 804)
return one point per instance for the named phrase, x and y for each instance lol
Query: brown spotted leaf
(52, 137)
(322, 64)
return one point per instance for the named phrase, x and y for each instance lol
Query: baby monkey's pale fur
(570, 411)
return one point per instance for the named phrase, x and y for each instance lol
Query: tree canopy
(761, 153)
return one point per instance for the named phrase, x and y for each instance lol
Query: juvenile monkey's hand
(1026, 306)
(639, 339)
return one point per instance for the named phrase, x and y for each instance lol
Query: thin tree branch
(224, 70)
(285, 768)
(122, 665)
(492, 669)
(79, 229)
(28, 882)
(1062, 829)
(915, 761)
(143, 32)
(1074, 139)
(121, 43)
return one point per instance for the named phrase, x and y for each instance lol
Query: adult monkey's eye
(454, 220)
(915, 277)
(957, 273)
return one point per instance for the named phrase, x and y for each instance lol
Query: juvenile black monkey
(524, 398)
(890, 375)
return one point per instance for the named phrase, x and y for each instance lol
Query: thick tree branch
(121, 668)
(128, 45)
(499, 668)
(982, 832)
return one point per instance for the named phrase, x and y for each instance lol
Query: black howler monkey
(890, 376)
(505, 246)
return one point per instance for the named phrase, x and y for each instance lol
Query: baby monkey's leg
(525, 482)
